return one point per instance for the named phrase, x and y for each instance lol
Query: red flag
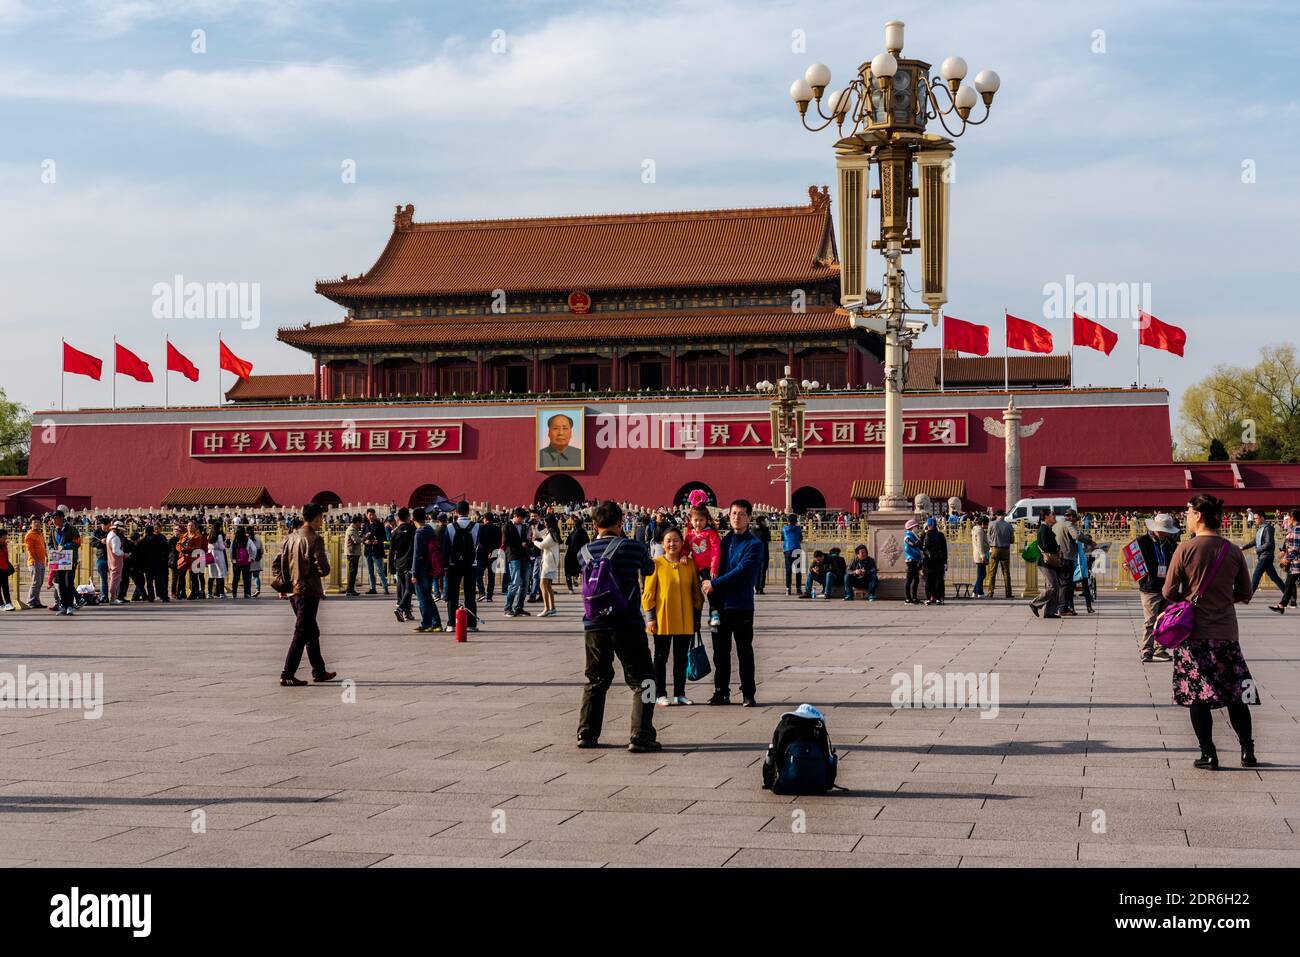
(178, 363)
(1027, 336)
(81, 363)
(232, 363)
(1093, 335)
(1161, 335)
(961, 336)
(126, 362)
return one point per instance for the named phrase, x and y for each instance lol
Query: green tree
(15, 436)
(1252, 413)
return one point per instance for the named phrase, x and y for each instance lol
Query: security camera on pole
(887, 107)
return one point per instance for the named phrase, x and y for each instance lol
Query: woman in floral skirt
(1209, 669)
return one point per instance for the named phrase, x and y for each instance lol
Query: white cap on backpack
(806, 711)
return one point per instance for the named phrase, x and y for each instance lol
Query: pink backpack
(1176, 622)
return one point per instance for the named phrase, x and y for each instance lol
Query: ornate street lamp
(886, 109)
(787, 416)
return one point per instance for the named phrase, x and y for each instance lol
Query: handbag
(1030, 555)
(1175, 624)
(697, 660)
(1052, 559)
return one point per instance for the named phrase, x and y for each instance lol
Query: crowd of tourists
(653, 581)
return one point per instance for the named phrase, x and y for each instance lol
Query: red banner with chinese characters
(822, 431)
(360, 438)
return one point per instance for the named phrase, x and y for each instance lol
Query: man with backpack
(461, 549)
(734, 584)
(402, 548)
(514, 541)
(611, 597)
(426, 567)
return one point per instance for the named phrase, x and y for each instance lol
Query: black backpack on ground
(800, 759)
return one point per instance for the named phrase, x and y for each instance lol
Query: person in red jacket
(705, 546)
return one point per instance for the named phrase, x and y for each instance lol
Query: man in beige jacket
(304, 563)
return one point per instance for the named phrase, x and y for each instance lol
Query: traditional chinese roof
(982, 372)
(476, 331)
(259, 388)
(937, 489)
(245, 496)
(716, 247)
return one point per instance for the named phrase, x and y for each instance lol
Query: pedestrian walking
(37, 558)
(1067, 539)
(1264, 545)
(617, 632)
(913, 555)
(1290, 563)
(219, 566)
(1048, 602)
(115, 549)
(549, 545)
(241, 560)
(374, 542)
(353, 547)
(67, 541)
(792, 541)
(1157, 548)
(460, 548)
(979, 543)
(1210, 671)
(427, 566)
(304, 565)
(734, 587)
(671, 604)
(1002, 535)
(514, 541)
(934, 562)
(578, 537)
(402, 550)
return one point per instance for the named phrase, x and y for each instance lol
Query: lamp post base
(887, 527)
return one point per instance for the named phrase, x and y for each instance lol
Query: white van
(1030, 510)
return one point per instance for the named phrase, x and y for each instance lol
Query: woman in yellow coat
(671, 602)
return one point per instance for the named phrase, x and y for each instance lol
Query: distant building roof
(985, 372)
(246, 496)
(939, 490)
(261, 388)
(717, 247)
(588, 330)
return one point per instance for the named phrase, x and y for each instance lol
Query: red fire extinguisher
(462, 624)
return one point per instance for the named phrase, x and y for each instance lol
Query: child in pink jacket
(705, 546)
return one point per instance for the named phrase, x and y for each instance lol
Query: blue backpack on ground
(800, 759)
(602, 596)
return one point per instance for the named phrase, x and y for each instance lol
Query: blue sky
(225, 166)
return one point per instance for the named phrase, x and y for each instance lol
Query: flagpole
(1006, 359)
(115, 372)
(63, 369)
(1137, 331)
(167, 379)
(218, 370)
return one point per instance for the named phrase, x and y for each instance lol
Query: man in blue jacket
(734, 585)
(791, 540)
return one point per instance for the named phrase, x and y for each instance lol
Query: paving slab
(441, 754)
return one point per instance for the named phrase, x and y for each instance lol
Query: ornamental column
(733, 376)
(316, 377)
(1011, 423)
(370, 376)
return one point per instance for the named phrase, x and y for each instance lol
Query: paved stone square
(462, 755)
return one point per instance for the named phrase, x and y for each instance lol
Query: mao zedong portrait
(560, 451)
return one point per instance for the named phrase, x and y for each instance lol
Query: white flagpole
(63, 370)
(1137, 335)
(167, 379)
(115, 372)
(1006, 359)
(218, 370)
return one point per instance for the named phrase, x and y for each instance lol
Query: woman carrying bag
(1209, 669)
(671, 602)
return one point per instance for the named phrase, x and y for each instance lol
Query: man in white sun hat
(1157, 547)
